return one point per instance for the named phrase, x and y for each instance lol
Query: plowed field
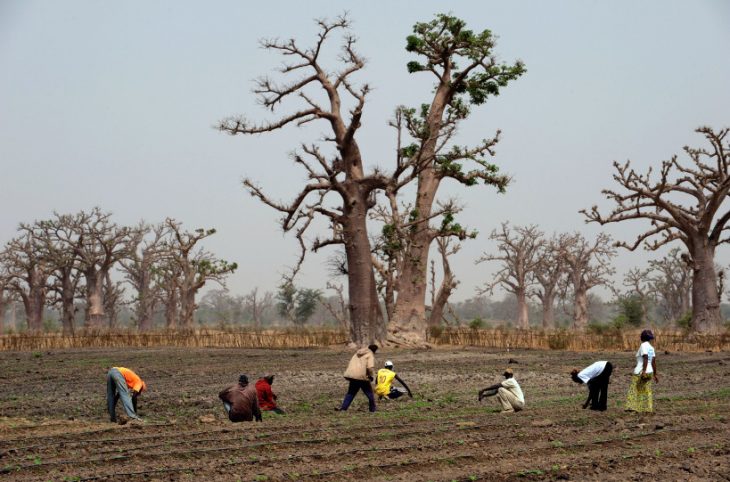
(54, 426)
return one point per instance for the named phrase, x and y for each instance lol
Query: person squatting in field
(508, 393)
(384, 387)
(241, 402)
(267, 398)
(640, 397)
(359, 374)
(597, 376)
(122, 383)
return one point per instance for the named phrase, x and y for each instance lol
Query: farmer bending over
(384, 388)
(359, 374)
(596, 376)
(241, 402)
(508, 393)
(125, 384)
(267, 398)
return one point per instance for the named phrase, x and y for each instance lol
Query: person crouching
(241, 402)
(267, 398)
(508, 393)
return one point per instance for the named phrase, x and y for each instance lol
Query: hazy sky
(113, 104)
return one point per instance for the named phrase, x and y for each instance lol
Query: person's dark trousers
(598, 389)
(352, 390)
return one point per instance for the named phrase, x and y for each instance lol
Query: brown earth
(53, 424)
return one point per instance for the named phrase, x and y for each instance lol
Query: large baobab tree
(548, 273)
(28, 275)
(670, 280)
(193, 267)
(519, 257)
(466, 73)
(683, 202)
(139, 270)
(341, 173)
(102, 244)
(588, 265)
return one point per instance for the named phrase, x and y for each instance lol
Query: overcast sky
(113, 104)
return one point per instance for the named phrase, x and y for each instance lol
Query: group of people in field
(245, 402)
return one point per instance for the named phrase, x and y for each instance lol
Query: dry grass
(577, 341)
(185, 339)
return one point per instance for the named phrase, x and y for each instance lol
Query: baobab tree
(519, 257)
(684, 202)
(341, 174)
(103, 243)
(139, 271)
(192, 267)
(670, 281)
(6, 297)
(440, 298)
(467, 74)
(548, 273)
(27, 274)
(588, 265)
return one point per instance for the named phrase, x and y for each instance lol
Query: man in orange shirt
(125, 384)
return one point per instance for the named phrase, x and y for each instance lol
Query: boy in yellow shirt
(385, 388)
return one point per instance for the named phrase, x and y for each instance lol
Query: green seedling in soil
(348, 468)
(260, 478)
(555, 467)
(691, 450)
(473, 477)
(527, 473)
(294, 475)
(557, 444)
(658, 453)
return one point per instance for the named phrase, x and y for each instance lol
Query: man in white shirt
(508, 393)
(597, 376)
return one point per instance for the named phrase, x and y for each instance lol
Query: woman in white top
(640, 397)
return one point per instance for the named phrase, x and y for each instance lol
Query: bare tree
(339, 311)
(466, 74)
(191, 268)
(113, 299)
(257, 304)
(7, 297)
(139, 271)
(440, 299)
(684, 203)
(102, 244)
(27, 274)
(548, 273)
(519, 257)
(588, 266)
(342, 175)
(671, 283)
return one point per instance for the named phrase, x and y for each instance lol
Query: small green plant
(557, 444)
(691, 450)
(658, 453)
(260, 478)
(527, 473)
(477, 323)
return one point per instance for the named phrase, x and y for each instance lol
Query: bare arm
(646, 363)
(404, 385)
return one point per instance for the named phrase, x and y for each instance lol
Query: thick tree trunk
(705, 299)
(34, 303)
(522, 321)
(171, 310)
(548, 311)
(187, 308)
(3, 308)
(442, 297)
(366, 319)
(94, 298)
(580, 309)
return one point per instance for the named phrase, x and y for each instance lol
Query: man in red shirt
(125, 384)
(267, 398)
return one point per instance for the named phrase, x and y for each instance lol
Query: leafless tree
(191, 267)
(139, 271)
(103, 243)
(466, 73)
(548, 273)
(671, 283)
(638, 284)
(7, 297)
(257, 304)
(685, 204)
(113, 299)
(440, 299)
(519, 257)
(339, 310)
(27, 274)
(342, 175)
(588, 265)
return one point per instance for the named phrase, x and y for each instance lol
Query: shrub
(476, 323)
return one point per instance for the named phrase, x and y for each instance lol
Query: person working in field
(597, 376)
(384, 387)
(267, 398)
(359, 374)
(122, 383)
(241, 402)
(508, 393)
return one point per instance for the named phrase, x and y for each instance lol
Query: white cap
(389, 364)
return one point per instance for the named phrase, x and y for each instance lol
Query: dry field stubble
(53, 423)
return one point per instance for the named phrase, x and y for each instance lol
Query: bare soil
(54, 426)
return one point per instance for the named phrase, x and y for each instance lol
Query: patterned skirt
(640, 397)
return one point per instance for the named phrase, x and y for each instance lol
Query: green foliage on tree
(297, 304)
